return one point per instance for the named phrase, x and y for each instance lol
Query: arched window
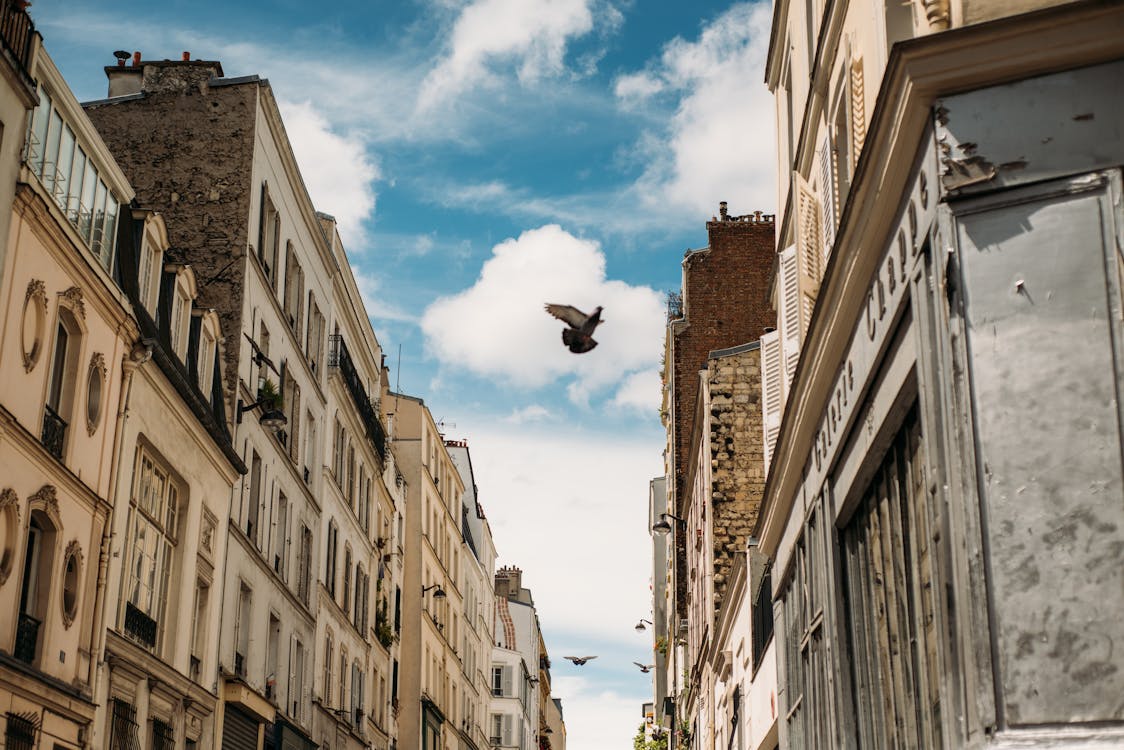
(61, 382)
(35, 588)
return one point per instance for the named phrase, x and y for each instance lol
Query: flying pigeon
(645, 668)
(579, 336)
(579, 660)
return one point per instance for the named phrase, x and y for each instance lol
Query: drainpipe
(140, 353)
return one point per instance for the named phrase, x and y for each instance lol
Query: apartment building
(478, 551)
(944, 499)
(210, 154)
(514, 711)
(432, 683)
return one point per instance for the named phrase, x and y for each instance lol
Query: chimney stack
(722, 210)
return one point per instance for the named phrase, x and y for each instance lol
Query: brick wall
(725, 303)
(188, 150)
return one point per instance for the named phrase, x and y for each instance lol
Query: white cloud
(529, 35)
(532, 413)
(377, 307)
(337, 169)
(640, 392)
(498, 328)
(597, 719)
(718, 145)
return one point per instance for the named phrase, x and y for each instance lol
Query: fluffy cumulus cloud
(608, 718)
(718, 144)
(498, 328)
(338, 171)
(528, 35)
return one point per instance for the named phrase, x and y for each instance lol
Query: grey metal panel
(1041, 128)
(239, 730)
(1043, 315)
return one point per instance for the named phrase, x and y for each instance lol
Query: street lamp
(662, 526)
(640, 625)
(438, 594)
(271, 419)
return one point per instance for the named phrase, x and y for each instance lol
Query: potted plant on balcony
(268, 394)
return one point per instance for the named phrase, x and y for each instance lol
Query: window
(889, 603)
(294, 290)
(95, 387)
(254, 507)
(328, 656)
(281, 537)
(346, 579)
(502, 682)
(153, 521)
(73, 180)
(199, 622)
(147, 272)
(35, 586)
(20, 732)
(330, 566)
(309, 447)
(163, 738)
(315, 337)
(296, 681)
(178, 321)
(242, 628)
(273, 645)
(304, 565)
(269, 231)
(60, 388)
(123, 731)
(71, 581)
(206, 364)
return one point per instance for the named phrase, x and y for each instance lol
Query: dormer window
(206, 356)
(178, 322)
(148, 272)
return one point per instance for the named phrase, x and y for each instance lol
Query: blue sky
(484, 157)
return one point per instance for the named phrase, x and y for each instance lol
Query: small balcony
(139, 626)
(339, 358)
(27, 638)
(54, 432)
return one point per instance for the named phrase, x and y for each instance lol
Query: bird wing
(642, 666)
(567, 314)
(587, 658)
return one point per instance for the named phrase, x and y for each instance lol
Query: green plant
(658, 741)
(383, 631)
(268, 394)
(661, 645)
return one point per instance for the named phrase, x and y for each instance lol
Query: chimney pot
(186, 56)
(136, 58)
(722, 210)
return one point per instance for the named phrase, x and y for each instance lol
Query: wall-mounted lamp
(662, 526)
(438, 594)
(271, 419)
(640, 625)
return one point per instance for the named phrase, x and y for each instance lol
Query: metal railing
(27, 638)
(54, 432)
(340, 358)
(139, 626)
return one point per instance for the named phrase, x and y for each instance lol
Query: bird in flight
(579, 336)
(579, 660)
(645, 668)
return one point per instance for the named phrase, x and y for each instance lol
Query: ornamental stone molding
(35, 304)
(937, 13)
(10, 512)
(73, 550)
(47, 497)
(73, 296)
(97, 363)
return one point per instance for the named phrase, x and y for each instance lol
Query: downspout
(140, 352)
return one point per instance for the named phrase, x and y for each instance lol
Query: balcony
(54, 432)
(139, 626)
(27, 638)
(340, 359)
(17, 33)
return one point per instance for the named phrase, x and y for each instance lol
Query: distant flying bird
(579, 660)
(645, 668)
(579, 336)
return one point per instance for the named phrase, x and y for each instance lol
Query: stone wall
(188, 151)
(736, 454)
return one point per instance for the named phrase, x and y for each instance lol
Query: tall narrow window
(273, 646)
(281, 536)
(199, 627)
(327, 677)
(304, 565)
(242, 630)
(255, 498)
(153, 525)
(35, 588)
(296, 694)
(58, 395)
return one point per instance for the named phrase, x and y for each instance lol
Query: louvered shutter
(791, 330)
(290, 694)
(858, 109)
(508, 688)
(507, 730)
(772, 390)
(827, 193)
(808, 237)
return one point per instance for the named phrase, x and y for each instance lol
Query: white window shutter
(508, 689)
(507, 730)
(791, 329)
(772, 394)
(827, 194)
(809, 242)
(858, 109)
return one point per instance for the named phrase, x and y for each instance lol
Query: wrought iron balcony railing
(340, 358)
(139, 626)
(27, 638)
(54, 432)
